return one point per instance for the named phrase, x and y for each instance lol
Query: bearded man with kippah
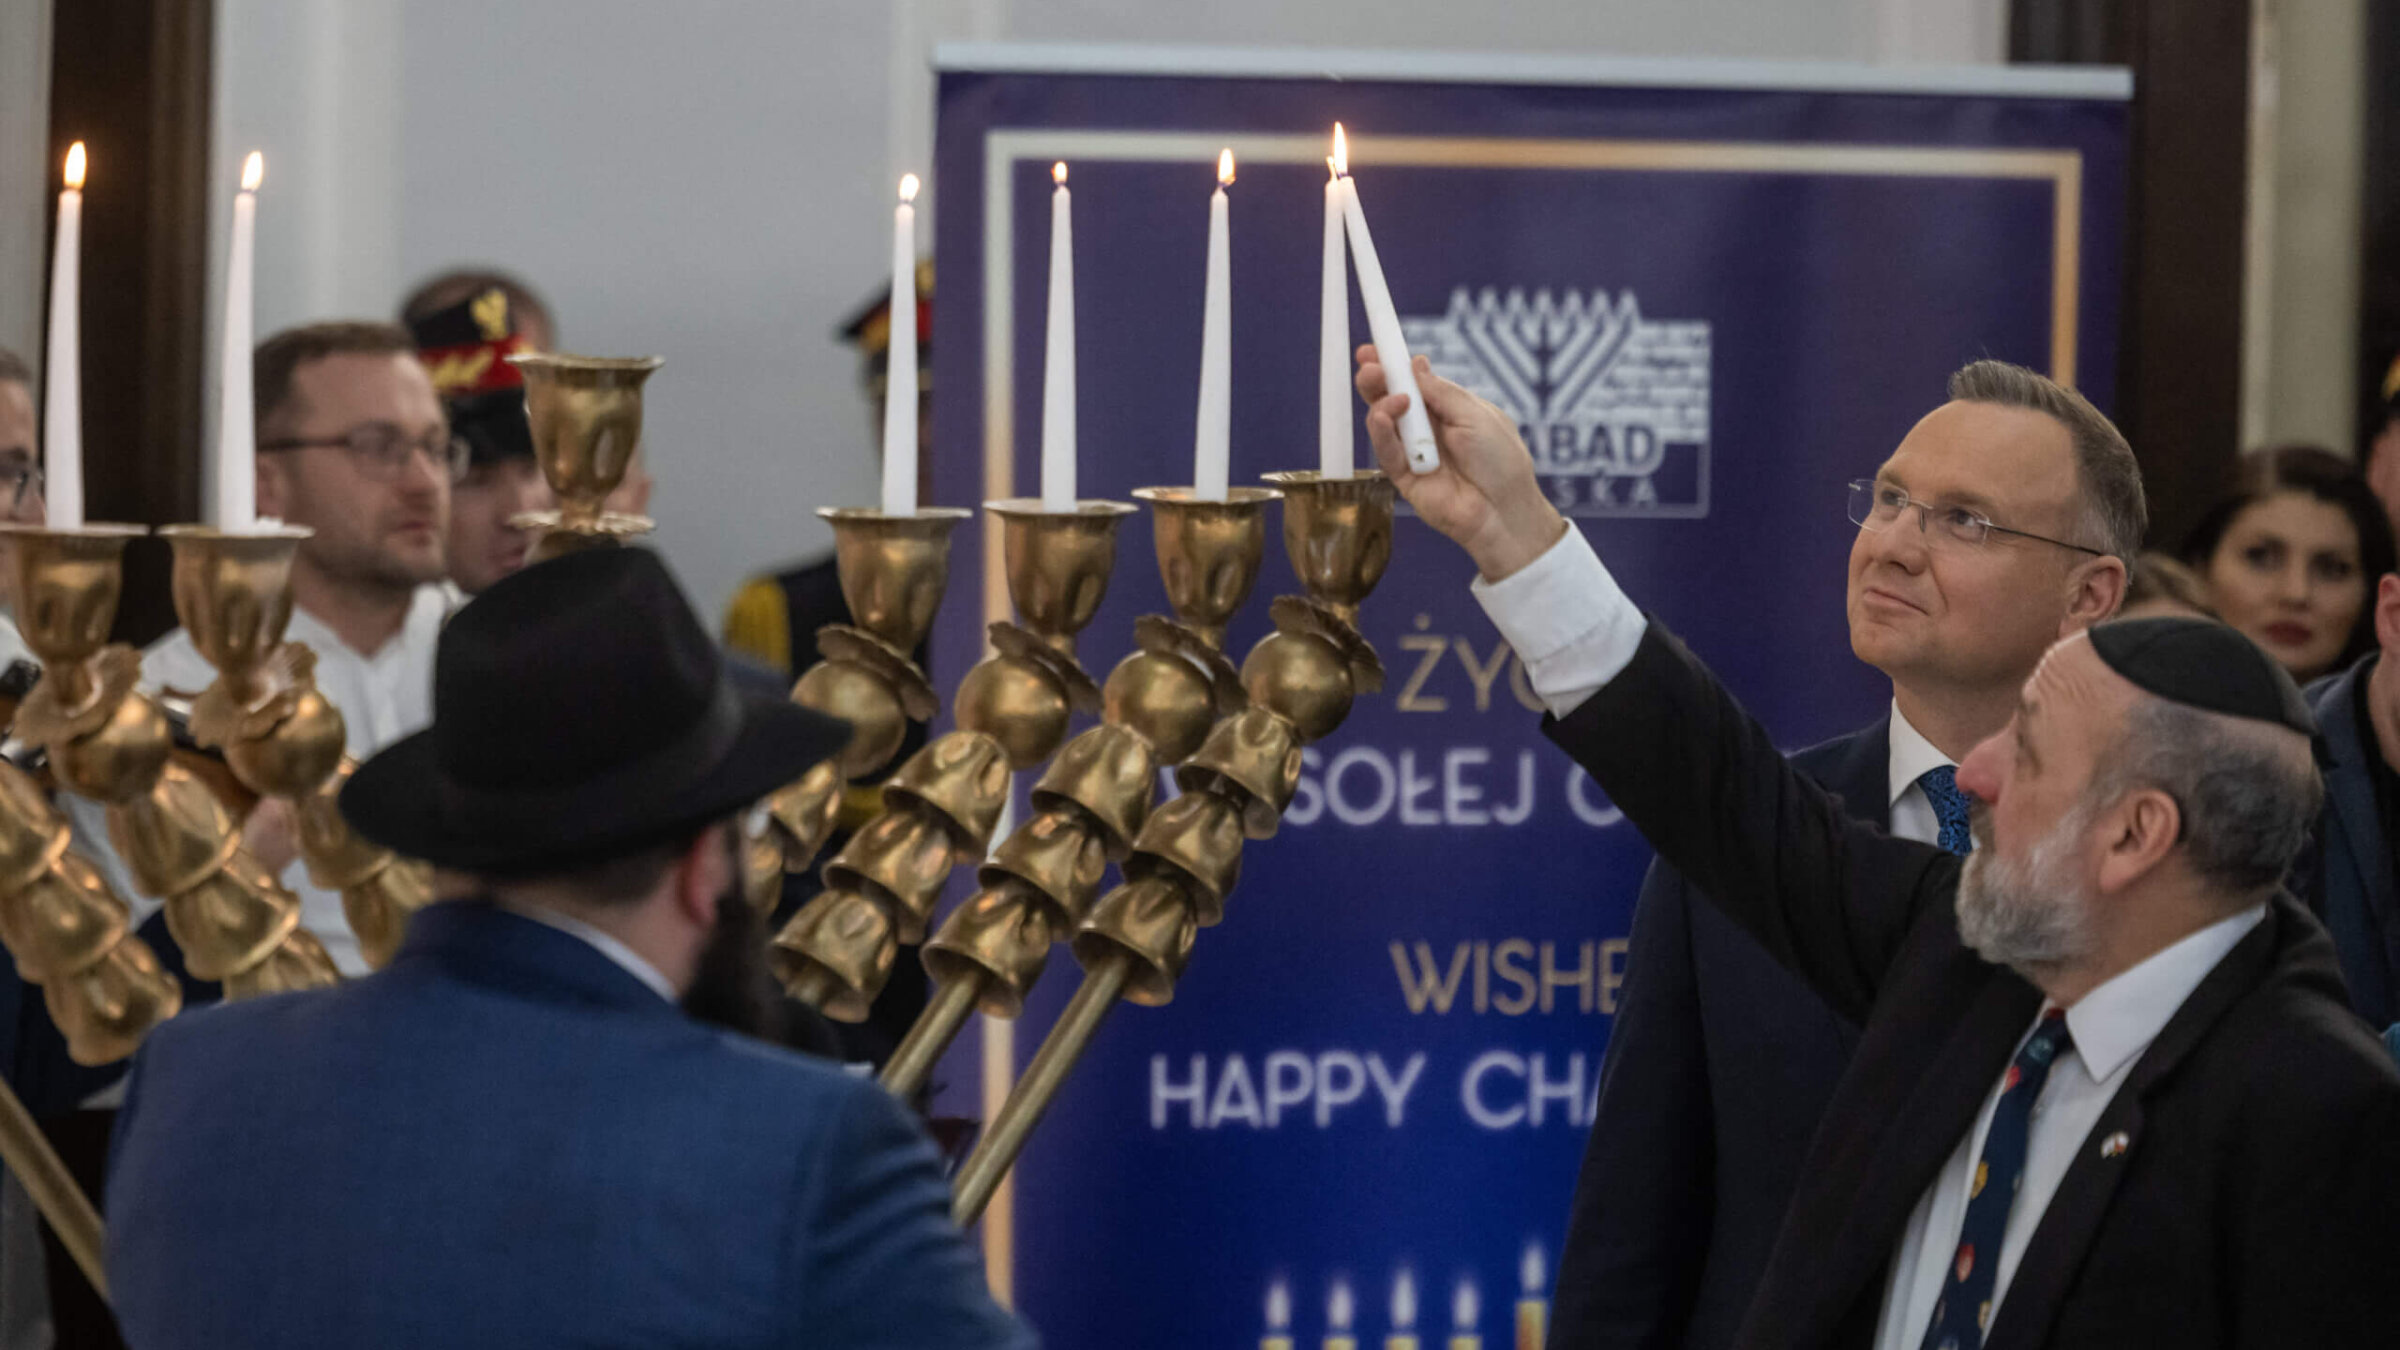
(2108, 1092)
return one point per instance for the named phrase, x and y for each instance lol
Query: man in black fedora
(513, 1135)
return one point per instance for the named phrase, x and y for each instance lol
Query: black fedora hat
(579, 713)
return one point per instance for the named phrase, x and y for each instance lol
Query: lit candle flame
(1338, 1307)
(1058, 173)
(75, 166)
(1404, 1300)
(908, 188)
(1530, 1269)
(1279, 1307)
(1225, 166)
(1341, 152)
(254, 171)
(1466, 1308)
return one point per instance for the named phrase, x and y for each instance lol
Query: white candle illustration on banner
(1279, 1318)
(1403, 1335)
(900, 366)
(1466, 1309)
(1058, 359)
(237, 429)
(1339, 1310)
(1335, 452)
(1213, 449)
(1533, 1311)
(1383, 324)
(62, 368)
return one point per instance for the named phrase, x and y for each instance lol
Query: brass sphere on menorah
(1156, 708)
(941, 806)
(1298, 683)
(278, 732)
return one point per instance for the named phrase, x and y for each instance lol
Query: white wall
(706, 180)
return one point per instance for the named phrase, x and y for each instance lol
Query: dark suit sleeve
(2322, 1240)
(1636, 1239)
(886, 1269)
(1830, 897)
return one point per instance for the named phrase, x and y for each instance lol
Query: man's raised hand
(1484, 495)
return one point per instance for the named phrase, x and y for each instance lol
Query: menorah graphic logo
(1613, 405)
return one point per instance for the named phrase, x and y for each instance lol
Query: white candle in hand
(1213, 449)
(1334, 449)
(237, 430)
(1383, 324)
(900, 365)
(62, 399)
(1058, 360)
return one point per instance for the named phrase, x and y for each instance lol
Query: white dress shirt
(382, 697)
(601, 941)
(1575, 630)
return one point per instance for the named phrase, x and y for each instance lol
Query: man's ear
(2143, 829)
(702, 876)
(2094, 591)
(274, 486)
(2387, 612)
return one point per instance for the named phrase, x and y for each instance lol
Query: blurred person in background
(2163, 585)
(2352, 882)
(2290, 556)
(2381, 457)
(465, 348)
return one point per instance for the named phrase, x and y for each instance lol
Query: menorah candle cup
(233, 591)
(1208, 552)
(586, 418)
(1338, 533)
(66, 584)
(894, 569)
(1057, 563)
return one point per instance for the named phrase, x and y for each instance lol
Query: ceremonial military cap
(465, 348)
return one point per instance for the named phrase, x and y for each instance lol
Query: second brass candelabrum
(1299, 681)
(942, 804)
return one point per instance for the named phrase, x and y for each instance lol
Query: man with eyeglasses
(2005, 519)
(353, 444)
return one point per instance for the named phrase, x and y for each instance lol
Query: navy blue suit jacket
(2353, 882)
(505, 1139)
(1720, 1063)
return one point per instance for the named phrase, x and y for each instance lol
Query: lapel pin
(2116, 1144)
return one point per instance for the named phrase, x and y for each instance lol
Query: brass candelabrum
(1095, 799)
(586, 416)
(941, 806)
(1299, 682)
(279, 734)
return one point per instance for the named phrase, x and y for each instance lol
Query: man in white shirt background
(352, 444)
(2107, 1091)
(1720, 1062)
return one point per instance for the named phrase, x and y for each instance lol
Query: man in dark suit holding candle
(1721, 1062)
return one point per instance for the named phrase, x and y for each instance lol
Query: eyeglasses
(381, 450)
(18, 481)
(1878, 506)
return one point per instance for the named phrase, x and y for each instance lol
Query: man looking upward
(1721, 1062)
(352, 444)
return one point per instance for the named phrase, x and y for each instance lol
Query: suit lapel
(2073, 1219)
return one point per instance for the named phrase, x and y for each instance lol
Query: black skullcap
(2203, 664)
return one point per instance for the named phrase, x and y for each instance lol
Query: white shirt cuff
(1568, 621)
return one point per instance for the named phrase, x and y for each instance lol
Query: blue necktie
(1949, 807)
(1965, 1309)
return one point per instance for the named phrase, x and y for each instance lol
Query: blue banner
(1708, 308)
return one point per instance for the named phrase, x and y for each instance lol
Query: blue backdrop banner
(1708, 307)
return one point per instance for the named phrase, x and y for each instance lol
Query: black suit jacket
(2353, 876)
(1720, 1063)
(2255, 1200)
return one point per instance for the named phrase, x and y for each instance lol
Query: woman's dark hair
(2326, 476)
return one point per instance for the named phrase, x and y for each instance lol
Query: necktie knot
(1950, 803)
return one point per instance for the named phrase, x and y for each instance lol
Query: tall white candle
(1383, 324)
(1058, 360)
(237, 430)
(900, 367)
(1335, 453)
(62, 398)
(1212, 450)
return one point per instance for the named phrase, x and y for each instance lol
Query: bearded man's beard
(2031, 914)
(731, 986)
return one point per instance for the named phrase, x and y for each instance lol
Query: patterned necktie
(1949, 807)
(1965, 1309)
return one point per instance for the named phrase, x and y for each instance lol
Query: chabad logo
(1614, 406)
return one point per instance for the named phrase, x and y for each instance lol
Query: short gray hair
(2114, 508)
(2248, 790)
